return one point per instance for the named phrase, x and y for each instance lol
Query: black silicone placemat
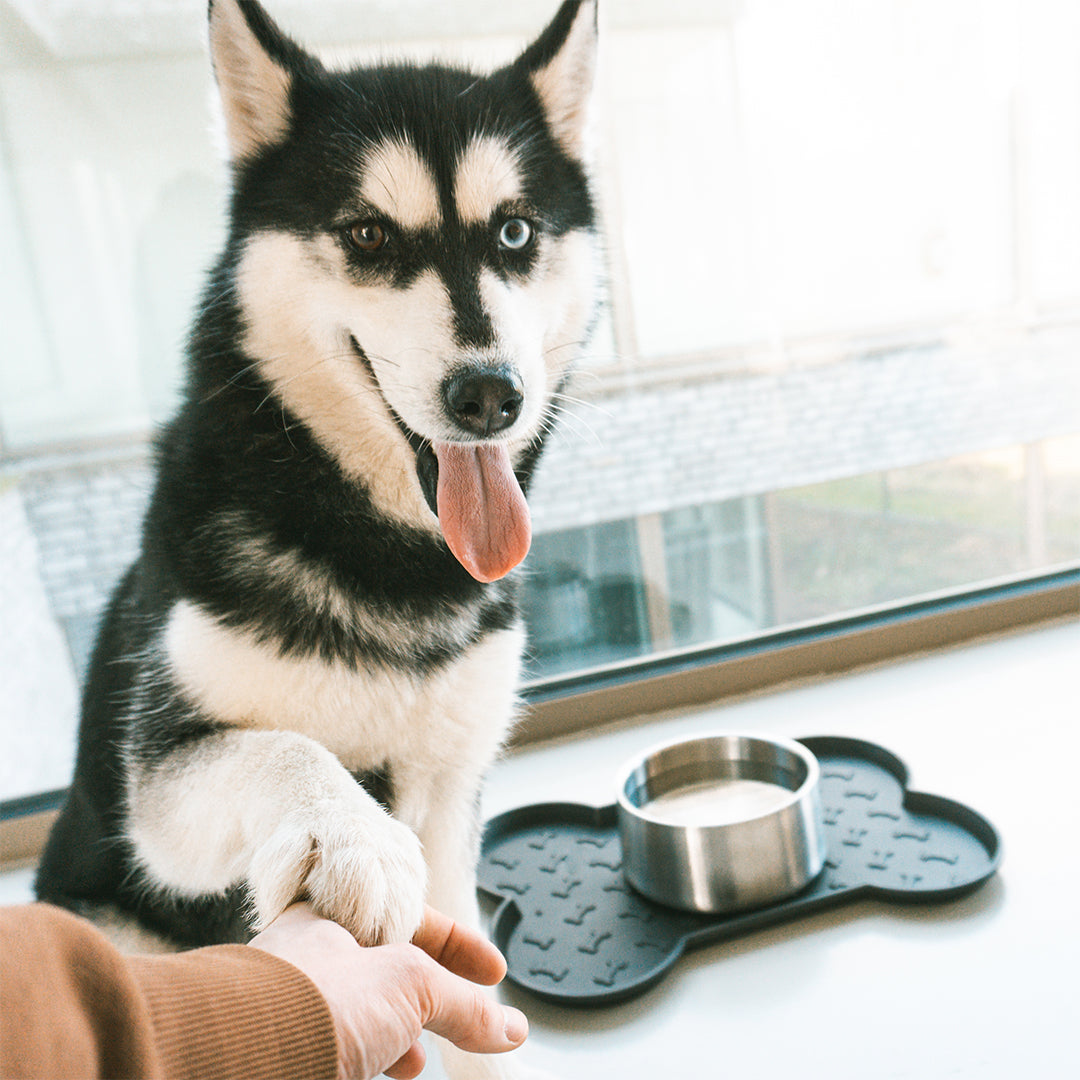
(573, 930)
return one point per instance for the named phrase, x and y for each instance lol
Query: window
(841, 368)
(727, 570)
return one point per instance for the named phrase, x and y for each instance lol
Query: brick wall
(699, 442)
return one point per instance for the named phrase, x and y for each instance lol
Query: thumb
(470, 1019)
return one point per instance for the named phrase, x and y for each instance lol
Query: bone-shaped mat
(573, 931)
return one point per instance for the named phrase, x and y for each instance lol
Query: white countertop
(983, 987)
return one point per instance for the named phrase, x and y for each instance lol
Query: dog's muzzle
(470, 485)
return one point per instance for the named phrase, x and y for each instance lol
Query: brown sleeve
(72, 1007)
(69, 1007)
(232, 1013)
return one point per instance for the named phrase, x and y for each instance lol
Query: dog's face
(416, 261)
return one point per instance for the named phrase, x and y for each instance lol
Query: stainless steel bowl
(721, 823)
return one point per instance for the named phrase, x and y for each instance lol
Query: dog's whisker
(573, 424)
(582, 403)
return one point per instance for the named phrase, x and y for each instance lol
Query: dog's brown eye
(367, 236)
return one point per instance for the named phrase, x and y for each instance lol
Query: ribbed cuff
(233, 1012)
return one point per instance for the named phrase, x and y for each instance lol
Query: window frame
(629, 691)
(571, 704)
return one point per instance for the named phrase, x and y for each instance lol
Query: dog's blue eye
(515, 234)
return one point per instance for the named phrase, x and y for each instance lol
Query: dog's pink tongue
(482, 509)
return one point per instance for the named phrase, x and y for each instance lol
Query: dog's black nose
(483, 400)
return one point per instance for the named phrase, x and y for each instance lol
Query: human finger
(467, 1017)
(409, 1065)
(460, 949)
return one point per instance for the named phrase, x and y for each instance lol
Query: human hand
(381, 998)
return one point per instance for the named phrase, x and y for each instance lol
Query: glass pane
(726, 570)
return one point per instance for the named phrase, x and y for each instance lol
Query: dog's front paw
(374, 886)
(363, 870)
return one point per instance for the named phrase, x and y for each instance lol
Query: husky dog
(300, 683)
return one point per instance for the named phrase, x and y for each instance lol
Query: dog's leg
(278, 811)
(450, 835)
(437, 792)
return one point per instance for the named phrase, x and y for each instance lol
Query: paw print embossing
(554, 976)
(593, 841)
(646, 944)
(513, 887)
(612, 864)
(879, 860)
(543, 945)
(611, 971)
(861, 793)
(949, 860)
(921, 835)
(566, 886)
(847, 775)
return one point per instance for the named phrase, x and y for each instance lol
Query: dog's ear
(561, 64)
(254, 64)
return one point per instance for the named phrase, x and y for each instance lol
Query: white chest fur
(366, 716)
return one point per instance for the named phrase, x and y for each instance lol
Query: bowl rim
(792, 746)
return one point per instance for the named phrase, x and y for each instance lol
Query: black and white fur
(296, 650)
